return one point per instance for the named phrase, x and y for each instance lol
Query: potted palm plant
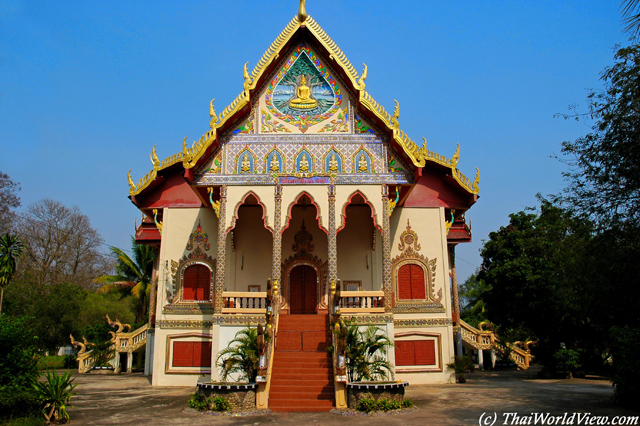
(461, 365)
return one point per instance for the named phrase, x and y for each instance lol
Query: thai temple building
(302, 205)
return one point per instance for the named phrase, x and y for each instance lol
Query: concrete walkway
(131, 400)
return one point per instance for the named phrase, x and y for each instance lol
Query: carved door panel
(303, 292)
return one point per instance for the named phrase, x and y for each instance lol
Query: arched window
(411, 282)
(196, 283)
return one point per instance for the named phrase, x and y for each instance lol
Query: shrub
(566, 359)
(54, 394)
(366, 405)
(218, 403)
(70, 362)
(18, 367)
(626, 364)
(197, 401)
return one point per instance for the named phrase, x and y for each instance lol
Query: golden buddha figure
(362, 165)
(246, 165)
(303, 99)
(275, 164)
(333, 163)
(304, 164)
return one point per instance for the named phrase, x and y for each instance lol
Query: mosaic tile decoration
(318, 146)
(302, 68)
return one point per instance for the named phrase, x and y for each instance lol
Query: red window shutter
(204, 283)
(202, 354)
(425, 352)
(404, 282)
(405, 353)
(196, 283)
(417, 283)
(190, 283)
(182, 354)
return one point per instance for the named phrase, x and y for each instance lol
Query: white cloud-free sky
(87, 88)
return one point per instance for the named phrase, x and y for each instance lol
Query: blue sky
(87, 88)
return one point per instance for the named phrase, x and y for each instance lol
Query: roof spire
(302, 12)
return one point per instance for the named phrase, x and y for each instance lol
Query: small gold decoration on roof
(302, 12)
(396, 114)
(212, 114)
(363, 77)
(154, 158)
(247, 78)
(455, 158)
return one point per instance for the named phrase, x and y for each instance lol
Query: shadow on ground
(131, 400)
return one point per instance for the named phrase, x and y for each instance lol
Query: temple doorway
(303, 290)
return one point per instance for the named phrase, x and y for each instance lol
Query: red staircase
(302, 375)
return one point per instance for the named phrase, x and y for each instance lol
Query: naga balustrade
(485, 340)
(244, 302)
(361, 301)
(128, 342)
(265, 368)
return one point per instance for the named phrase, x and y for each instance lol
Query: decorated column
(222, 251)
(386, 250)
(277, 236)
(332, 270)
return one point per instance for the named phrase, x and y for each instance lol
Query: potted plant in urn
(461, 364)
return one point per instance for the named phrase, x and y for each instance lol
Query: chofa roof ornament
(302, 12)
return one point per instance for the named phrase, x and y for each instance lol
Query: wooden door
(303, 290)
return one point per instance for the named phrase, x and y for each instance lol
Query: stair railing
(265, 367)
(486, 339)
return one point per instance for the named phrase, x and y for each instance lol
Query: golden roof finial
(132, 185)
(363, 77)
(247, 78)
(396, 115)
(476, 181)
(455, 158)
(302, 12)
(212, 114)
(154, 158)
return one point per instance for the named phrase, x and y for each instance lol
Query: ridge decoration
(419, 155)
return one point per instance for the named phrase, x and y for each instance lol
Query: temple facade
(303, 201)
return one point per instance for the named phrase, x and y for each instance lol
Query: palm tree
(133, 276)
(365, 353)
(631, 15)
(241, 356)
(10, 250)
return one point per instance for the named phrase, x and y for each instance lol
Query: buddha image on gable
(303, 90)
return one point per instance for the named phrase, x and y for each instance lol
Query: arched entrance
(303, 290)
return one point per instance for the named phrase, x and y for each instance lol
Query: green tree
(10, 251)
(472, 294)
(533, 267)
(604, 176)
(241, 356)
(133, 276)
(9, 200)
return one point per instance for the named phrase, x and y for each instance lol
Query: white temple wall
(253, 245)
(357, 260)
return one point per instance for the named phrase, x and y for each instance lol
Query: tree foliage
(604, 180)
(132, 277)
(631, 16)
(9, 201)
(18, 366)
(60, 246)
(10, 251)
(533, 268)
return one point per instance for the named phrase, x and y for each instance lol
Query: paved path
(131, 400)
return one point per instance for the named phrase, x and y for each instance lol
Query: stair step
(291, 402)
